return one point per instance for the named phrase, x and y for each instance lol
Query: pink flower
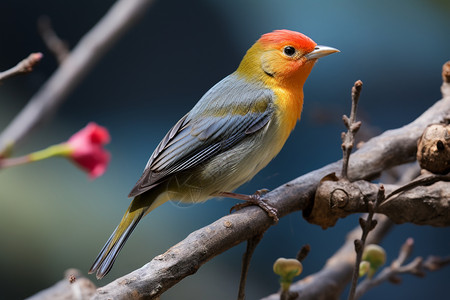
(86, 149)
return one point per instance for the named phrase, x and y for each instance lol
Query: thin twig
(14, 161)
(303, 253)
(348, 138)
(58, 47)
(366, 226)
(424, 181)
(251, 246)
(404, 253)
(24, 66)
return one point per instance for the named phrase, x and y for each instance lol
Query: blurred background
(53, 218)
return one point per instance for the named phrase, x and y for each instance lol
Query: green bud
(364, 267)
(287, 268)
(376, 256)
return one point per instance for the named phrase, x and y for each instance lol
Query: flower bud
(364, 267)
(375, 256)
(287, 268)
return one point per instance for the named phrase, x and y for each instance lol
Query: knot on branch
(433, 149)
(337, 198)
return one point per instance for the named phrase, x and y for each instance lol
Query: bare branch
(89, 50)
(73, 286)
(423, 181)
(24, 66)
(423, 201)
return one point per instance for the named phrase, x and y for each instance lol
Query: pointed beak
(321, 51)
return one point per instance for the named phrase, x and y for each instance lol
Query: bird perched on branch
(233, 132)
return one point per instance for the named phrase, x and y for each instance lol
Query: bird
(235, 129)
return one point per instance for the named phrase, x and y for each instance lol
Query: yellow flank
(290, 105)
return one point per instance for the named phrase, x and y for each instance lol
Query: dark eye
(289, 50)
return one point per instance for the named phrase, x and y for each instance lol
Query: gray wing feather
(199, 136)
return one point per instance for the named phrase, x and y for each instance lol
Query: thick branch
(73, 286)
(91, 47)
(387, 150)
(424, 201)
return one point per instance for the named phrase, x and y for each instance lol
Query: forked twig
(58, 47)
(416, 267)
(348, 138)
(366, 226)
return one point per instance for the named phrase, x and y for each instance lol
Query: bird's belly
(229, 169)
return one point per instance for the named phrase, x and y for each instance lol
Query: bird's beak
(321, 51)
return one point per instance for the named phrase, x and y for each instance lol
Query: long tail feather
(105, 259)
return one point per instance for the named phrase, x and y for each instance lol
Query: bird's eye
(289, 50)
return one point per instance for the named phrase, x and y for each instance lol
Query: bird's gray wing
(197, 137)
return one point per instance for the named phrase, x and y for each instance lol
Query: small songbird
(233, 132)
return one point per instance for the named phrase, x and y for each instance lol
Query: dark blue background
(52, 218)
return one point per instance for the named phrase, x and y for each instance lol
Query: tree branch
(424, 201)
(91, 47)
(73, 286)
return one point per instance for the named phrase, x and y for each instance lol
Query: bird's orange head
(282, 60)
(282, 56)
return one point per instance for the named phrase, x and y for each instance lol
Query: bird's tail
(105, 259)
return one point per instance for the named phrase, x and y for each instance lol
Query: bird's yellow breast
(289, 105)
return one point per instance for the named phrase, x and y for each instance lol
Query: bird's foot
(255, 199)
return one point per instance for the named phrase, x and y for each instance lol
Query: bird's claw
(256, 199)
